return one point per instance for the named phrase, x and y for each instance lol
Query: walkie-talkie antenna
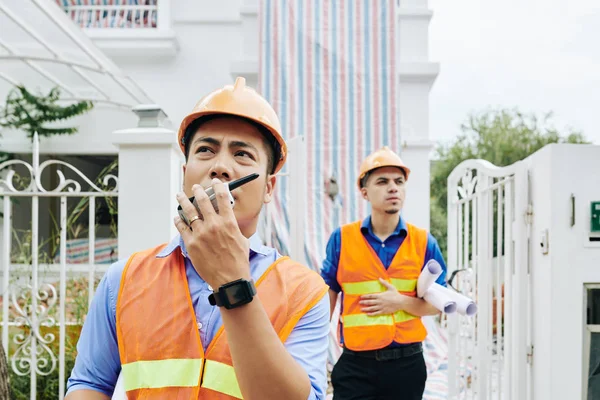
(242, 181)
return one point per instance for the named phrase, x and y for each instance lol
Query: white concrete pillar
(417, 75)
(416, 155)
(150, 174)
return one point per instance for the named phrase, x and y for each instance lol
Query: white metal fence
(488, 253)
(132, 14)
(41, 295)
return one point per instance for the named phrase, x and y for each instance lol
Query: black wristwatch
(233, 294)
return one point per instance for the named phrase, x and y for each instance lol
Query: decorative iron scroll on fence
(31, 299)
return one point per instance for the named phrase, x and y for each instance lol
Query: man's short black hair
(272, 145)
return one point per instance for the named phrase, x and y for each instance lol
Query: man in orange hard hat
(375, 264)
(214, 314)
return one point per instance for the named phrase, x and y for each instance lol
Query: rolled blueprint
(464, 305)
(428, 276)
(440, 300)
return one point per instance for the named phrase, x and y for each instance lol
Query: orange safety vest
(159, 344)
(358, 273)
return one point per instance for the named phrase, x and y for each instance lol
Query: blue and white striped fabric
(329, 69)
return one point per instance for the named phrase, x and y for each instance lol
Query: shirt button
(199, 325)
(382, 244)
(210, 288)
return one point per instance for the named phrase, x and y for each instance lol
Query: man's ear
(183, 180)
(363, 192)
(270, 188)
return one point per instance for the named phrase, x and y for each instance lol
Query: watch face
(237, 293)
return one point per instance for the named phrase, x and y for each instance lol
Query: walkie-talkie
(213, 198)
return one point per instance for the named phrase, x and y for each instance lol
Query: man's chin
(247, 221)
(392, 211)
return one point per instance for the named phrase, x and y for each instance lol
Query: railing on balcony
(112, 14)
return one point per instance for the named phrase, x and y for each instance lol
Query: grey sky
(537, 55)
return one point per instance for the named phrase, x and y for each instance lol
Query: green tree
(33, 113)
(502, 137)
(39, 113)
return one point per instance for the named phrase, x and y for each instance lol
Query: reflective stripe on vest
(221, 378)
(183, 373)
(161, 373)
(368, 287)
(354, 320)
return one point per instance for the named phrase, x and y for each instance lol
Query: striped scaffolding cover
(338, 88)
(330, 70)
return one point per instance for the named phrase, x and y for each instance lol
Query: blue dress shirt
(98, 365)
(386, 250)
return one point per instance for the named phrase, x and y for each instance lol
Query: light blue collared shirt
(97, 366)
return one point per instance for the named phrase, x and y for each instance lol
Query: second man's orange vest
(358, 273)
(161, 352)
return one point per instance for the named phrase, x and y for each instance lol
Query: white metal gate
(33, 308)
(488, 251)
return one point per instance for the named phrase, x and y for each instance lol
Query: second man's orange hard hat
(383, 157)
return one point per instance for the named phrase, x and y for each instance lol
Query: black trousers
(368, 376)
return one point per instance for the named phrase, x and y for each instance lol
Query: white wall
(557, 171)
(416, 208)
(417, 75)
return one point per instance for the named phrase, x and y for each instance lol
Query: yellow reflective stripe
(162, 373)
(221, 378)
(354, 320)
(404, 285)
(403, 316)
(366, 287)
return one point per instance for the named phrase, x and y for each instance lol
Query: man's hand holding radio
(216, 246)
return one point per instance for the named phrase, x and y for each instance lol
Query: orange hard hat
(242, 101)
(383, 157)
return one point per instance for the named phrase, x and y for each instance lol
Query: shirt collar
(256, 246)
(401, 228)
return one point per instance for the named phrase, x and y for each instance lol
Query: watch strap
(218, 297)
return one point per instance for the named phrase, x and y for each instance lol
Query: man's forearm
(85, 394)
(418, 307)
(263, 367)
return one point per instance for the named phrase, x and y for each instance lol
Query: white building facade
(157, 57)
